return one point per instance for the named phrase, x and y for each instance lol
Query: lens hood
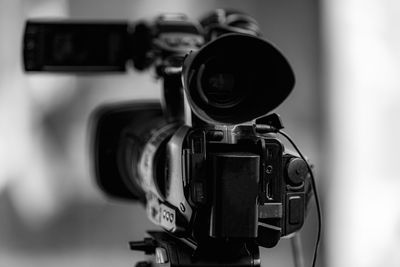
(236, 78)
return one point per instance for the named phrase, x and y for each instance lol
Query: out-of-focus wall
(362, 45)
(56, 215)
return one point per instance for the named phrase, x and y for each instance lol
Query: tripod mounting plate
(169, 251)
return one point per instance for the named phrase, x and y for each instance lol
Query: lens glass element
(219, 87)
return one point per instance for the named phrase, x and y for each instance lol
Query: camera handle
(169, 251)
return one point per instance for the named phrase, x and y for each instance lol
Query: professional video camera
(206, 161)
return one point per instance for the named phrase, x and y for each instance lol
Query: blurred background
(344, 115)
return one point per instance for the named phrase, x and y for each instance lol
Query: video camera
(206, 161)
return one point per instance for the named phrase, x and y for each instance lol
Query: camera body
(205, 161)
(207, 182)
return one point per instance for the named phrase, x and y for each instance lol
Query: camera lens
(219, 89)
(235, 79)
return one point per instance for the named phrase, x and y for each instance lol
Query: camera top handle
(112, 46)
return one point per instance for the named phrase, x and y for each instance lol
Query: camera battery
(235, 187)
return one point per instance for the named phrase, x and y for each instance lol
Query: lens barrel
(236, 78)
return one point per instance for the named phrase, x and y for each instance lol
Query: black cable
(314, 187)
